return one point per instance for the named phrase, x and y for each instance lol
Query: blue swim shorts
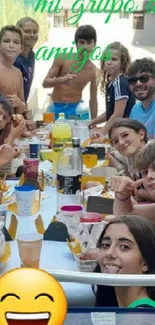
(69, 109)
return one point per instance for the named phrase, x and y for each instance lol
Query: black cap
(76, 142)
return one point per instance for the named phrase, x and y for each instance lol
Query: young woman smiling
(127, 246)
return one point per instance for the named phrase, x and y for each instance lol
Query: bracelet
(122, 199)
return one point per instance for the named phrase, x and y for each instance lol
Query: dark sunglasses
(143, 79)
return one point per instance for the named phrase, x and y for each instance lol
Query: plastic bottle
(81, 129)
(47, 102)
(82, 112)
(69, 172)
(61, 133)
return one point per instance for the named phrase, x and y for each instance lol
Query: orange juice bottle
(61, 133)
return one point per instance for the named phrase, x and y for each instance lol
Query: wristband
(122, 199)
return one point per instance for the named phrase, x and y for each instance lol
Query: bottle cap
(61, 115)
(68, 144)
(76, 142)
(91, 217)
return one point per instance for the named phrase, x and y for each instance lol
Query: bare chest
(85, 74)
(9, 82)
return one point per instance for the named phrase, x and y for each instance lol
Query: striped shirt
(116, 90)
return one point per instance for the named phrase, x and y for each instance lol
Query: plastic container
(89, 229)
(82, 112)
(69, 172)
(70, 215)
(82, 121)
(61, 133)
(46, 104)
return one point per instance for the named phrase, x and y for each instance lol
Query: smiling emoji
(31, 297)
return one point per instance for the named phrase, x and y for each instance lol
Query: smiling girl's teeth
(29, 316)
(112, 269)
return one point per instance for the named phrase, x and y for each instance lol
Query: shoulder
(31, 55)
(136, 107)
(143, 302)
(121, 81)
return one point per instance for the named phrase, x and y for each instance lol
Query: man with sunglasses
(142, 83)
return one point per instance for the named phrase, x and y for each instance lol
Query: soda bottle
(69, 173)
(61, 133)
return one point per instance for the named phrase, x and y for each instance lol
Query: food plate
(9, 196)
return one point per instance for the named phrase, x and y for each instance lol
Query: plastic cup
(24, 198)
(70, 215)
(31, 166)
(34, 150)
(29, 246)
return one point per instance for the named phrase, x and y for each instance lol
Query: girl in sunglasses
(142, 83)
(115, 86)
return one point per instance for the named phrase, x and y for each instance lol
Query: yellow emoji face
(31, 296)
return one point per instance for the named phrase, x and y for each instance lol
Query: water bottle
(69, 173)
(82, 121)
(61, 133)
(82, 112)
(47, 103)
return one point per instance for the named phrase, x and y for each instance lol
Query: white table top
(54, 255)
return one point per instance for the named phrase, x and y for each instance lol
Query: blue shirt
(26, 66)
(116, 90)
(145, 116)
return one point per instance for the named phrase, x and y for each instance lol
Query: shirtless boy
(68, 85)
(11, 81)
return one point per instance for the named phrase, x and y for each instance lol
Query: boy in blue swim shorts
(68, 80)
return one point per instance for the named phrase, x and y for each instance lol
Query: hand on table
(92, 124)
(31, 125)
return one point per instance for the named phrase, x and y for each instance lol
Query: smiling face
(120, 253)
(31, 296)
(149, 180)
(30, 32)
(127, 141)
(144, 87)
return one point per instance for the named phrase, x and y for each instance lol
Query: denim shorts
(69, 109)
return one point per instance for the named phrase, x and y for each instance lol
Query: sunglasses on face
(143, 79)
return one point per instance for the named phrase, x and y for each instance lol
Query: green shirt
(142, 302)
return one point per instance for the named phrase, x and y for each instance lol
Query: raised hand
(124, 186)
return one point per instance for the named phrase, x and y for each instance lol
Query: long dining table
(54, 254)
